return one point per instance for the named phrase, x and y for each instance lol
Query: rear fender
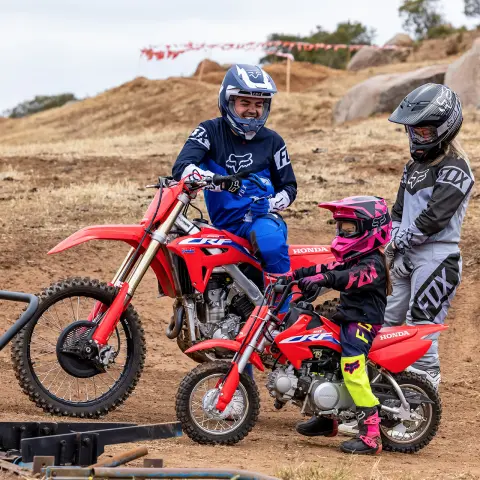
(231, 345)
(130, 234)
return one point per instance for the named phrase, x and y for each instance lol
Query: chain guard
(72, 350)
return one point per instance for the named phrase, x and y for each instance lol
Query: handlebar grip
(279, 288)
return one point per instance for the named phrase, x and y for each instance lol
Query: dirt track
(33, 220)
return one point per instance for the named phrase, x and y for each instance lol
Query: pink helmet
(373, 226)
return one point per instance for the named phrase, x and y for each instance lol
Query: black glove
(232, 184)
(304, 272)
(389, 252)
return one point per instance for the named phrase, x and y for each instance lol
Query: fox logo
(351, 367)
(237, 162)
(417, 177)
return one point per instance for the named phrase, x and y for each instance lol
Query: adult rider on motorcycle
(238, 143)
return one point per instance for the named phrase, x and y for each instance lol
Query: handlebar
(287, 289)
(201, 182)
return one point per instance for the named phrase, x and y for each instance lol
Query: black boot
(368, 440)
(318, 427)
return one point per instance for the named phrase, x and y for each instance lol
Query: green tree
(39, 104)
(349, 33)
(420, 16)
(472, 8)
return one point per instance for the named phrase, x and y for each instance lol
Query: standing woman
(428, 215)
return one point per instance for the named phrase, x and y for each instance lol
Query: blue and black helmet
(246, 81)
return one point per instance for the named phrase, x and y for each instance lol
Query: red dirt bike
(218, 403)
(83, 352)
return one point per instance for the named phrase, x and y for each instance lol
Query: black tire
(328, 308)
(404, 380)
(184, 343)
(135, 356)
(192, 429)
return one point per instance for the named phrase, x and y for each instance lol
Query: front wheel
(196, 397)
(47, 363)
(409, 436)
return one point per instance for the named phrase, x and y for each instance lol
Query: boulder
(401, 40)
(383, 93)
(463, 76)
(373, 57)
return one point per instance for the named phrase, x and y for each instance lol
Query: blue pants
(268, 235)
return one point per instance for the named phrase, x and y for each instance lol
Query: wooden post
(200, 73)
(288, 75)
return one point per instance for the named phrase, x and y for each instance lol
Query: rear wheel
(328, 308)
(197, 396)
(409, 436)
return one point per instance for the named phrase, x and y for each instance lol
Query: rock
(373, 57)
(383, 93)
(349, 159)
(401, 40)
(463, 76)
(319, 150)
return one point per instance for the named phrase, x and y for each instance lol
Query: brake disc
(75, 353)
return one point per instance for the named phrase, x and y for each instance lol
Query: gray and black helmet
(432, 115)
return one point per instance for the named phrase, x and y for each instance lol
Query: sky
(49, 47)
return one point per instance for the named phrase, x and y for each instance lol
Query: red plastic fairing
(131, 234)
(399, 356)
(229, 345)
(307, 255)
(295, 341)
(169, 196)
(390, 335)
(196, 250)
(396, 353)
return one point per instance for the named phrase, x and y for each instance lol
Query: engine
(315, 392)
(225, 308)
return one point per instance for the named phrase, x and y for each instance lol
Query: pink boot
(368, 440)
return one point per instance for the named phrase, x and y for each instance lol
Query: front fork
(133, 275)
(239, 362)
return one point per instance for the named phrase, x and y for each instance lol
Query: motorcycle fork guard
(107, 325)
(228, 389)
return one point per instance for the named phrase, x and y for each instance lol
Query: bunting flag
(273, 47)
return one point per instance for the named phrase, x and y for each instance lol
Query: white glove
(194, 172)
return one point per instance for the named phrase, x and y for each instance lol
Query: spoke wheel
(409, 436)
(46, 357)
(195, 405)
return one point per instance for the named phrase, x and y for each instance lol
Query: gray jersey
(431, 203)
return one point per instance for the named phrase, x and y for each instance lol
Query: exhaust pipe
(176, 323)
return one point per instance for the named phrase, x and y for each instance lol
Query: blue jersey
(213, 146)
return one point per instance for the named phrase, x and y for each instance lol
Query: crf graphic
(351, 367)
(237, 162)
(417, 177)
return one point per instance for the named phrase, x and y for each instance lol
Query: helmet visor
(347, 228)
(422, 135)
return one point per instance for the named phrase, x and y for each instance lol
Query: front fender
(228, 345)
(131, 234)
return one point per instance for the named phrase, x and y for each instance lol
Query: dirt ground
(84, 165)
(46, 196)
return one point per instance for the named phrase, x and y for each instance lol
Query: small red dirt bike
(83, 352)
(218, 403)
